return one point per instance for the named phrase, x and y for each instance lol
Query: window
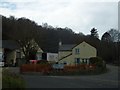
(84, 60)
(77, 51)
(38, 56)
(77, 60)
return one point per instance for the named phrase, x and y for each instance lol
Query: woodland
(23, 30)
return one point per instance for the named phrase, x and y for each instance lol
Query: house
(39, 54)
(13, 54)
(10, 51)
(76, 54)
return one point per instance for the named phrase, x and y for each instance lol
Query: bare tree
(115, 35)
(28, 47)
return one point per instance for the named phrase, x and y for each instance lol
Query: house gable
(39, 50)
(85, 50)
(78, 54)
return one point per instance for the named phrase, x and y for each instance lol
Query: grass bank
(12, 80)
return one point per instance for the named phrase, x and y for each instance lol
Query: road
(107, 80)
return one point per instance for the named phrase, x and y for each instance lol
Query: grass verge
(12, 80)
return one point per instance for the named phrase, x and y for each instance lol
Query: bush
(79, 67)
(12, 80)
(99, 62)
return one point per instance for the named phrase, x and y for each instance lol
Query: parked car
(58, 66)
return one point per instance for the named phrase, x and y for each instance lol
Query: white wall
(52, 57)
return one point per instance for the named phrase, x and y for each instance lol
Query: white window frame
(77, 51)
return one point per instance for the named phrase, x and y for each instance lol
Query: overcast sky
(79, 15)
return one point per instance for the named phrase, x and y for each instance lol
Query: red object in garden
(33, 61)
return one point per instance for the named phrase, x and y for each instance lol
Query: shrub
(99, 62)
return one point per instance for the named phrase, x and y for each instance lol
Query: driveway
(107, 80)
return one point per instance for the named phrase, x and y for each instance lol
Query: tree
(21, 30)
(106, 37)
(94, 33)
(115, 35)
(26, 36)
(29, 47)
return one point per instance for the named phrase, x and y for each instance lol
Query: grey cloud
(80, 17)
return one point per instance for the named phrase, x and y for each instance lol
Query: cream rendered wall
(62, 54)
(86, 51)
(69, 60)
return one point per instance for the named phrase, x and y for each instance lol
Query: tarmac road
(107, 80)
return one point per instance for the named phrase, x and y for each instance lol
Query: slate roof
(9, 44)
(69, 47)
(66, 47)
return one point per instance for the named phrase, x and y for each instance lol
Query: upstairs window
(77, 51)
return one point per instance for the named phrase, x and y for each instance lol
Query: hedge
(79, 67)
(35, 68)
